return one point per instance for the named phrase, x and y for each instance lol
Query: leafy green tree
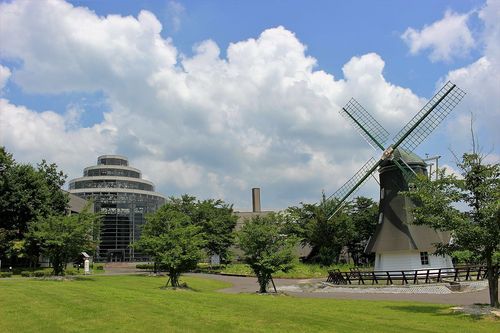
(216, 219)
(26, 194)
(267, 249)
(172, 240)
(475, 229)
(363, 216)
(327, 236)
(62, 237)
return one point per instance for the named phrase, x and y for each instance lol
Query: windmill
(398, 244)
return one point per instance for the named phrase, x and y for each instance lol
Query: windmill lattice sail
(408, 138)
(354, 183)
(366, 125)
(436, 109)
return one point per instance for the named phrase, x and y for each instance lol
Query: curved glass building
(124, 198)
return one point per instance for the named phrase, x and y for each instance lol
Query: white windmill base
(410, 260)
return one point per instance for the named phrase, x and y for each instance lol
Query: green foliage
(5, 274)
(63, 237)
(476, 229)
(312, 225)
(26, 194)
(363, 217)
(26, 273)
(217, 221)
(41, 273)
(172, 240)
(267, 249)
(215, 218)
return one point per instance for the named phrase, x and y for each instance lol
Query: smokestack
(256, 200)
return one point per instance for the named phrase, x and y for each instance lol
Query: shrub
(99, 267)
(26, 273)
(5, 274)
(42, 273)
(144, 266)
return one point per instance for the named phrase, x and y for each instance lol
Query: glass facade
(123, 203)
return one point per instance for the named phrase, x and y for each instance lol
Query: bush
(5, 274)
(26, 273)
(42, 273)
(99, 267)
(144, 266)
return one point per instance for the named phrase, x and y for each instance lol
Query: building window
(424, 258)
(381, 193)
(380, 218)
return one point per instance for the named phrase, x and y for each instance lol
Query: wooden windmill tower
(398, 244)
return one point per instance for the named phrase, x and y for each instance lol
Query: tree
(363, 216)
(217, 221)
(267, 249)
(327, 236)
(215, 218)
(63, 237)
(475, 229)
(26, 195)
(172, 240)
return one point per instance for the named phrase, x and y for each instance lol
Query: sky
(212, 98)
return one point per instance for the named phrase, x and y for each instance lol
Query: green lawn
(138, 304)
(299, 270)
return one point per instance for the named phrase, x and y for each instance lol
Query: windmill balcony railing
(403, 277)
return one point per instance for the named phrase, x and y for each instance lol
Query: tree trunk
(174, 278)
(263, 282)
(492, 282)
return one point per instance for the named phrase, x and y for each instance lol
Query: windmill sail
(429, 117)
(367, 126)
(410, 136)
(353, 184)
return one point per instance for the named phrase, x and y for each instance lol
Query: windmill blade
(366, 125)
(344, 192)
(427, 119)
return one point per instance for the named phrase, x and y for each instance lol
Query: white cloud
(447, 38)
(481, 82)
(34, 136)
(175, 12)
(261, 117)
(5, 74)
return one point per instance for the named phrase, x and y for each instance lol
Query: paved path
(250, 285)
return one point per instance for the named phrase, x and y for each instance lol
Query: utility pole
(430, 165)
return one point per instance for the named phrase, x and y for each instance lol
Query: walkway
(250, 285)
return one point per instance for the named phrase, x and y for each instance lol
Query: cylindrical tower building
(124, 198)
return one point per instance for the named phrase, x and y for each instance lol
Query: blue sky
(213, 98)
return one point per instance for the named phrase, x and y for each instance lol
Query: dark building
(398, 243)
(124, 198)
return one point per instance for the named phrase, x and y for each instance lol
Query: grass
(138, 304)
(299, 271)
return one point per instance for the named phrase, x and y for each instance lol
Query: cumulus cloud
(263, 116)
(447, 38)
(481, 81)
(34, 136)
(5, 74)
